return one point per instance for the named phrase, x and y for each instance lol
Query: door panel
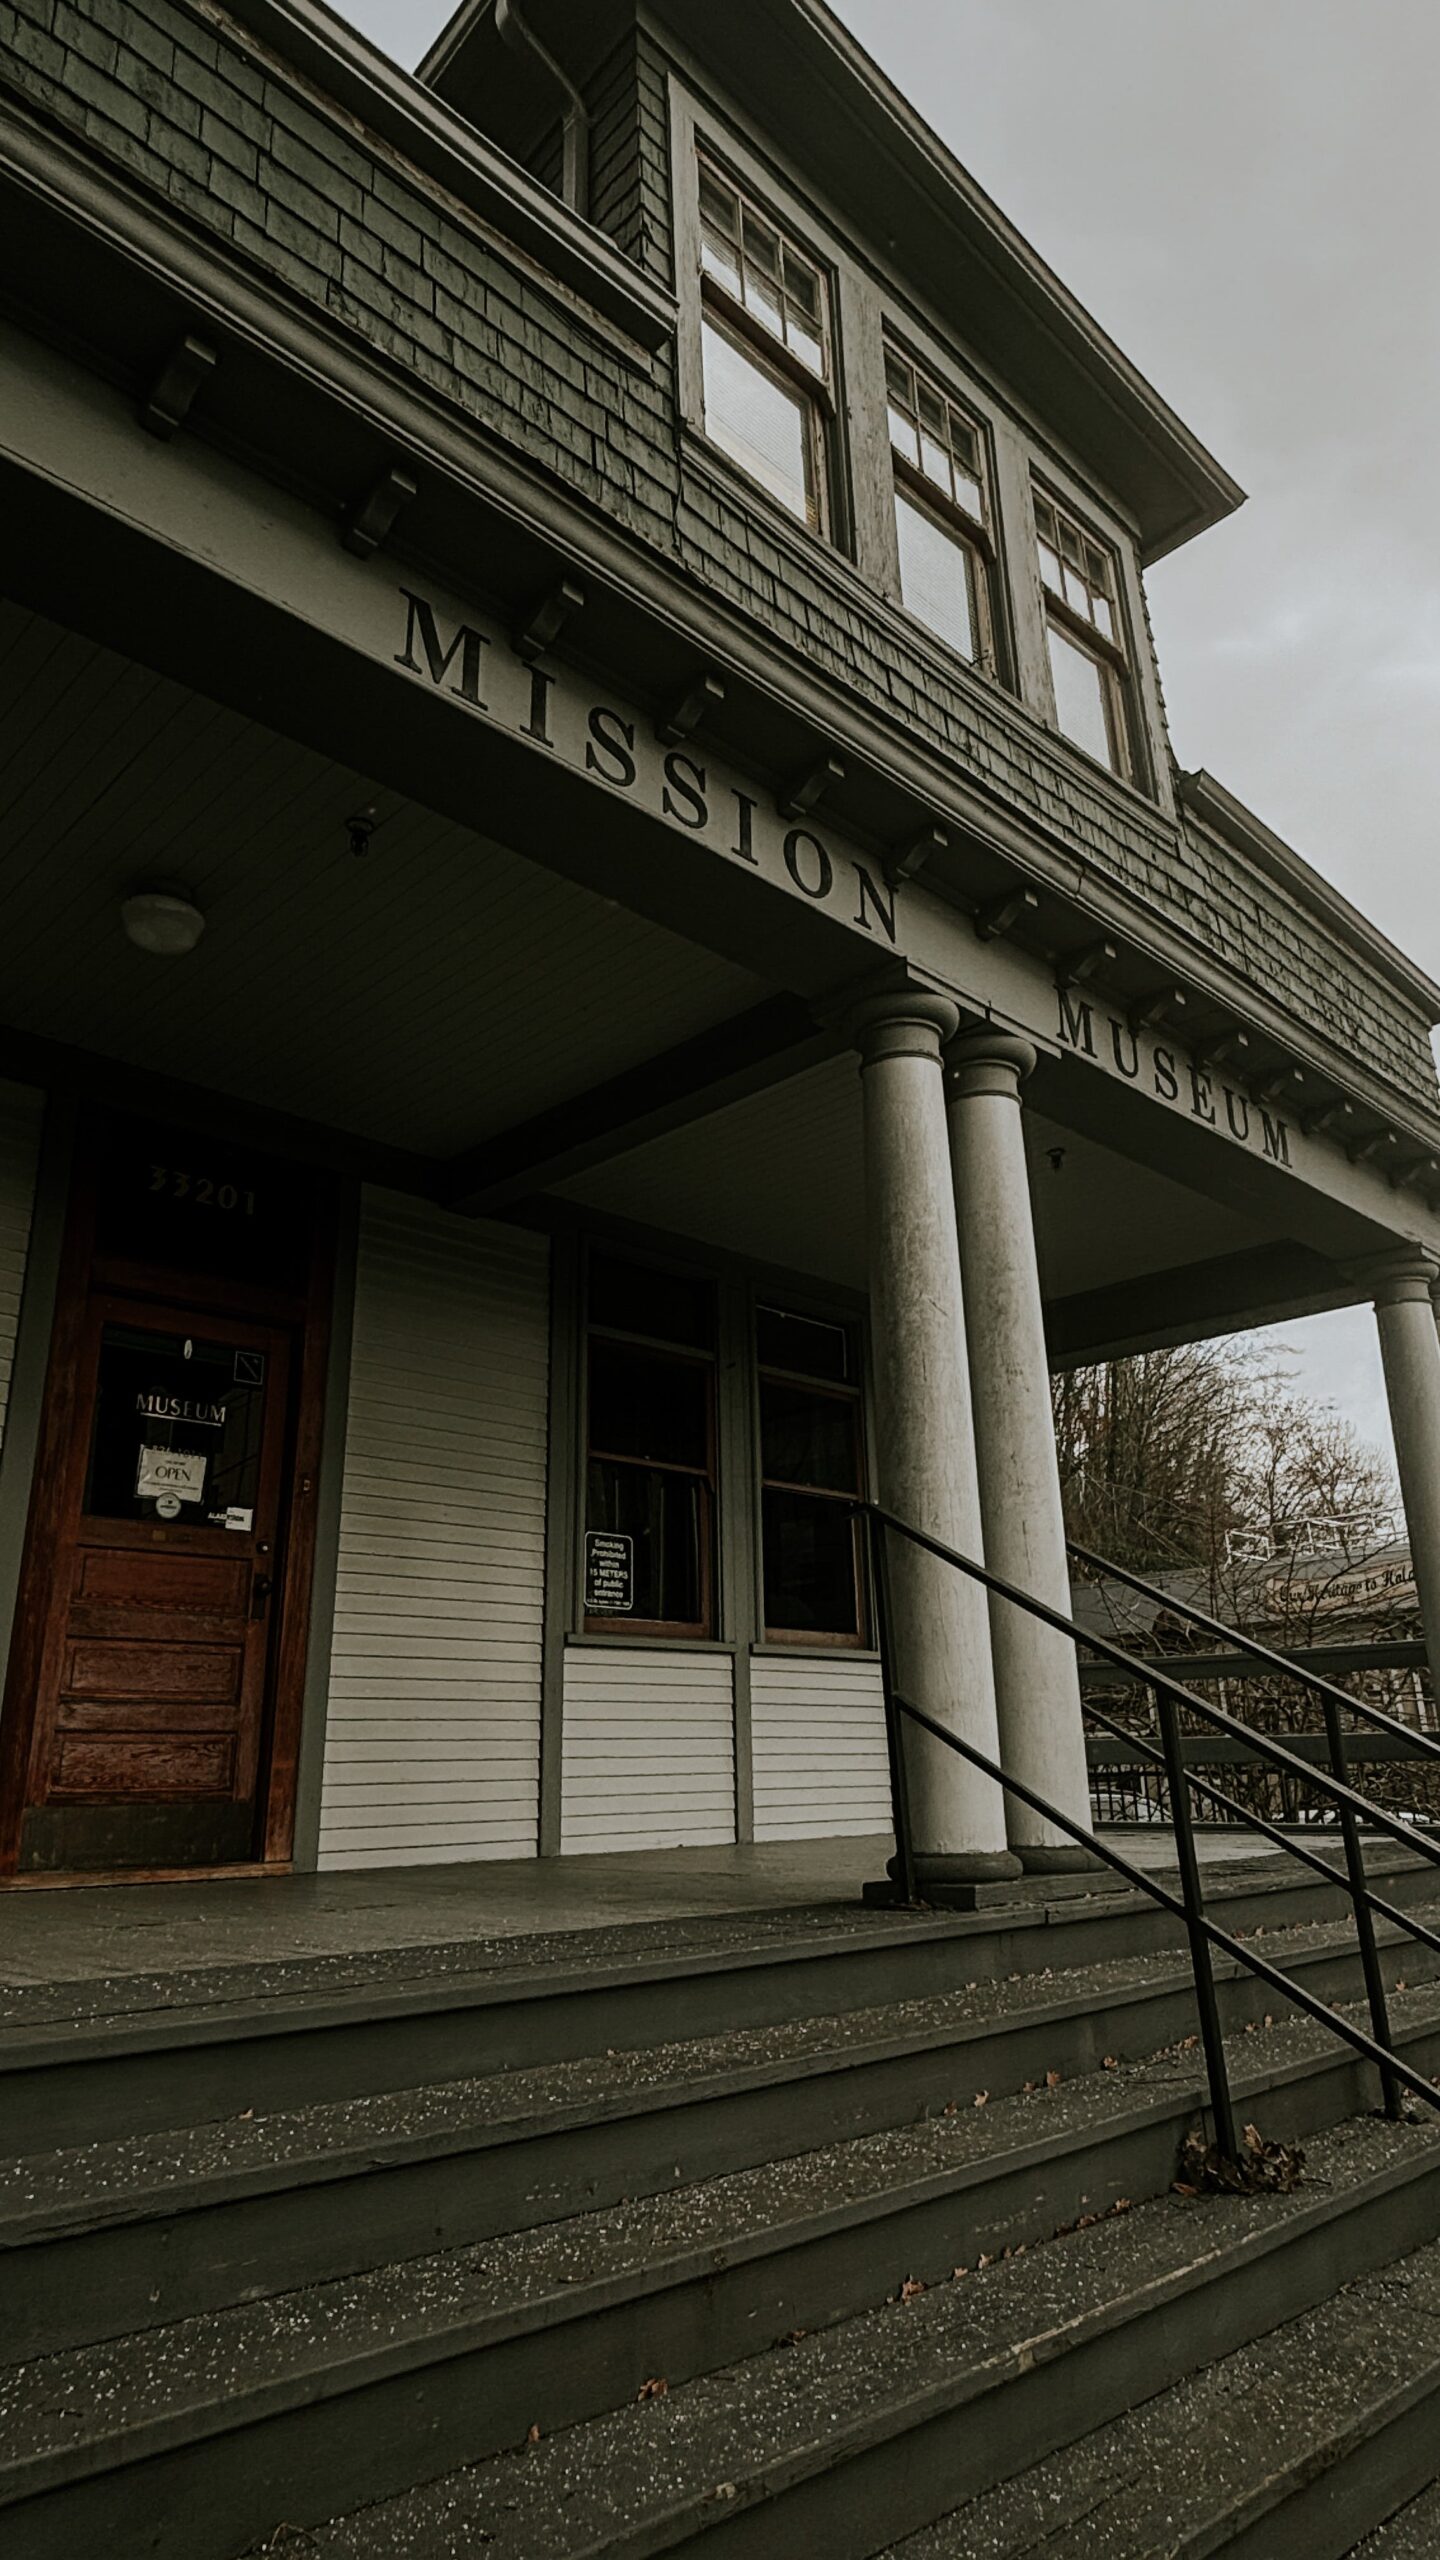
(167, 1573)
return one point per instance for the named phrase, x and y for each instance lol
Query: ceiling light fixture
(161, 917)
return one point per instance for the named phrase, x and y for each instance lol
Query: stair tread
(655, 2469)
(1269, 2416)
(1412, 2534)
(516, 1964)
(252, 2152)
(204, 2373)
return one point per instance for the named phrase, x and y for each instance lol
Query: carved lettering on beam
(810, 788)
(533, 638)
(1002, 915)
(186, 369)
(372, 519)
(688, 710)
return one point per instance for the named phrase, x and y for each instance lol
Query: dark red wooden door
(151, 1719)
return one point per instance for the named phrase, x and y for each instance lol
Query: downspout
(512, 29)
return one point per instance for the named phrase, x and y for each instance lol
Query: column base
(951, 1882)
(1068, 1860)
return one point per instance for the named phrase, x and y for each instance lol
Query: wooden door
(152, 1703)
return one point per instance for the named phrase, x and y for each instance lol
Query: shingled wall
(179, 98)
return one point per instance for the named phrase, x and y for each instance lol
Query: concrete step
(186, 2440)
(1284, 2450)
(852, 2435)
(206, 2044)
(126, 2234)
(1412, 2534)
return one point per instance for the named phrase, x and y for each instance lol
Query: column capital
(912, 1022)
(988, 1059)
(1409, 1273)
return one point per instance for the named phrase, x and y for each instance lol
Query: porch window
(1088, 664)
(766, 350)
(942, 513)
(810, 1467)
(650, 1471)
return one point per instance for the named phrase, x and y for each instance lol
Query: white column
(925, 1450)
(1037, 1682)
(1410, 1351)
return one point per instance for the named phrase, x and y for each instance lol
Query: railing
(1171, 1695)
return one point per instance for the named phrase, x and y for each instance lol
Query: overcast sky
(1244, 192)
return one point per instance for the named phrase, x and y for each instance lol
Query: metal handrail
(1203, 1933)
(1426, 1743)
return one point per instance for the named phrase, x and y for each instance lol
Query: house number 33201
(200, 1189)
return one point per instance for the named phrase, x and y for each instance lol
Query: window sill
(653, 1643)
(812, 1649)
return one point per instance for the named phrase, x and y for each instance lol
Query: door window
(177, 1430)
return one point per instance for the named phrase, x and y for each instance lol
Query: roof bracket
(372, 519)
(1077, 966)
(921, 849)
(186, 370)
(809, 789)
(1327, 1116)
(1001, 916)
(688, 710)
(1152, 1010)
(548, 619)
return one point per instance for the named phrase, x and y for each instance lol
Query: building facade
(604, 949)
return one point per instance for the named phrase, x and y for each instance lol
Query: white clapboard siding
(649, 1757)
(432, 1744)
(818, 1739)
(21, 1109)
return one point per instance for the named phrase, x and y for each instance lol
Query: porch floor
(100, 1931)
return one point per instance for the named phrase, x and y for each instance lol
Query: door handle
(260, 1590)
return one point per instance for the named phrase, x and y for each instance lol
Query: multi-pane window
(650, 1470)
(810, 1470)
(1087, 654)
(765, 342)
(941, 512)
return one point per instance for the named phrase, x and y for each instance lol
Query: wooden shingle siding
(649, 1756)
(178, 101)
(21, 1111)
(818, 1737)
(433, 1739)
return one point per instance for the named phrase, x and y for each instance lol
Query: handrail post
(1370, 1964)
(1202, 1966)
(878, 1540)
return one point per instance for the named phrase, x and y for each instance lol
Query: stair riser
(1323, 2518)
(207, 2502)
(197, 2078)
(103, 2282)
(858, 2506)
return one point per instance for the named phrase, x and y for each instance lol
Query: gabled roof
(832, 114)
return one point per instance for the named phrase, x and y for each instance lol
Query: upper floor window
(1087, 654)
(942, 517)
(765, 332)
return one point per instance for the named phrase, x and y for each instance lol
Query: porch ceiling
(433, 992)
(778, 1177)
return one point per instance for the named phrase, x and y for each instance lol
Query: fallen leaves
(1263, 2168)
(982, 2097)
(1052, 2079)
(657, 2388)
(909, 2289)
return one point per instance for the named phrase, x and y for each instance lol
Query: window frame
(852, 1393)
(771, 355)
(976, 535)
(1108, 651)
(703, 1630)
